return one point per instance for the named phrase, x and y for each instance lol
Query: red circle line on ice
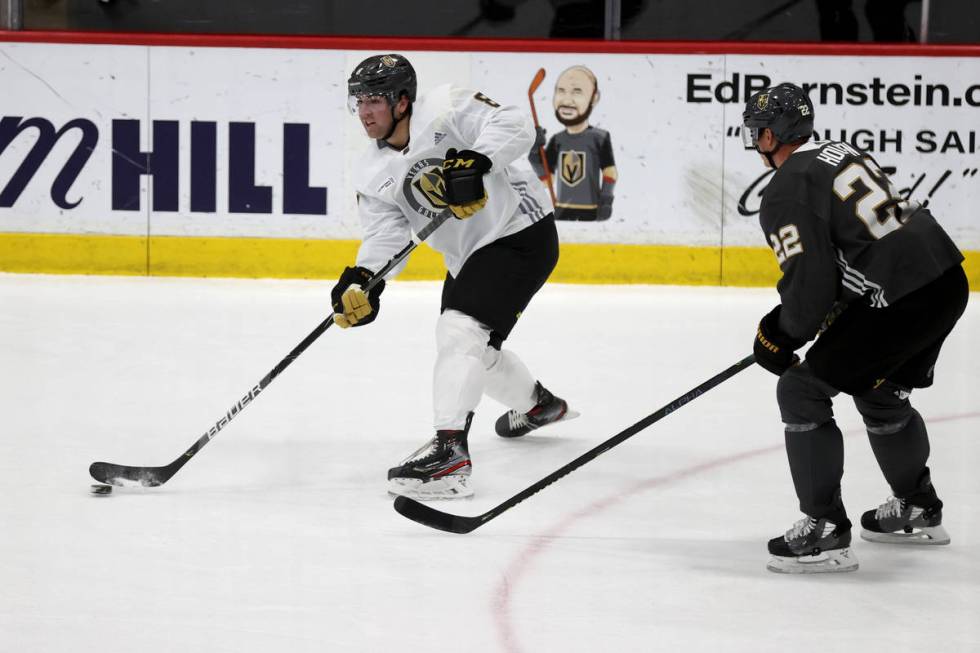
(520, 563)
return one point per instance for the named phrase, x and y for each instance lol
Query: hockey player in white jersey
(453, 150)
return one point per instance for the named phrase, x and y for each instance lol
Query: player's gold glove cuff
(468, 210)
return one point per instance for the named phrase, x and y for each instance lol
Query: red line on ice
(502, 595)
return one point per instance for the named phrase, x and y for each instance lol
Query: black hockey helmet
(784, 109)
(387, 75)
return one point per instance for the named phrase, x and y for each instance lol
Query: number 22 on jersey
(786, 242)
(880, 207)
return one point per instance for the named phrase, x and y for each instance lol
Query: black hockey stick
(153, 476)
(443, 521)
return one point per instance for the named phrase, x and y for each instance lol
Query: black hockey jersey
(842, 233)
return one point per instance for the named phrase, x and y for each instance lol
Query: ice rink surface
(279, 535)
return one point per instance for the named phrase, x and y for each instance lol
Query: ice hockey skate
(813, 546)
(899, 521)
(547, 410)
(440, 469)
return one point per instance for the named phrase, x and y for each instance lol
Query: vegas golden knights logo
(762, 102)
(389, 61)
(425, 189)
(431, 184)
(572, 167)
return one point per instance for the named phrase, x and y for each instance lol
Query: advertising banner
(643, 149)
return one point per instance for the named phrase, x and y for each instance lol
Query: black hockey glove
(774, 349)
(604, 210)
(463, 173)
(537, 151)
(540, 139)
(351, 305)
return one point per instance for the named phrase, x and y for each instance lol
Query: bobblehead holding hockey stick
(450, 523)
(123, 475)
(535, 83)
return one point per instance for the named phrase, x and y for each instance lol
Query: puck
(101, 490)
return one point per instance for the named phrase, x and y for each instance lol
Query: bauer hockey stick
(535, 83)
(443, 521)
(153, 476)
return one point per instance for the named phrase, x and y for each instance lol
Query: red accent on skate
(452, 469)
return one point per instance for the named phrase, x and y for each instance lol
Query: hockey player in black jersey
(873, 277)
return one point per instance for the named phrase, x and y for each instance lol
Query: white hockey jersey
(400, 192)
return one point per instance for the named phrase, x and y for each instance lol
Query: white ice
(279, 535)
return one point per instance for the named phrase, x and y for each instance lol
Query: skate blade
(827, 562)
(454, 486)
(927, 536)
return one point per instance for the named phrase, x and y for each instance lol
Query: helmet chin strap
(770, 162)
(394, 123)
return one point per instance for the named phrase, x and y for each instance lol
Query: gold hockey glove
(463, 173)
(351, 305)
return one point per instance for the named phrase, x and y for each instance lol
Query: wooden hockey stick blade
(443, 521)
(536, 81)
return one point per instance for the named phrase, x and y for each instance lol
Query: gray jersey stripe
(529, 206)
(854, 280)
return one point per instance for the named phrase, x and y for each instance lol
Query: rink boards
(235, 156)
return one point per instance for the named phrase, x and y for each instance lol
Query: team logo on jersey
(431, 184)
(425, 189)
(572, 167)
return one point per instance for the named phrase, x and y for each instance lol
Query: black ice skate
(440, 469)
(813, 546)
(547, 410)
(900, 521)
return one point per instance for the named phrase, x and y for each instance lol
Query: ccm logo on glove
(463, 173)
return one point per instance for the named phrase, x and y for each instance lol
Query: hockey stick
(535, 83)
(443, 521)
(153, 476)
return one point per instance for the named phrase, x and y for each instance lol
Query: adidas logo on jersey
(390, 181)
(438, 137)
